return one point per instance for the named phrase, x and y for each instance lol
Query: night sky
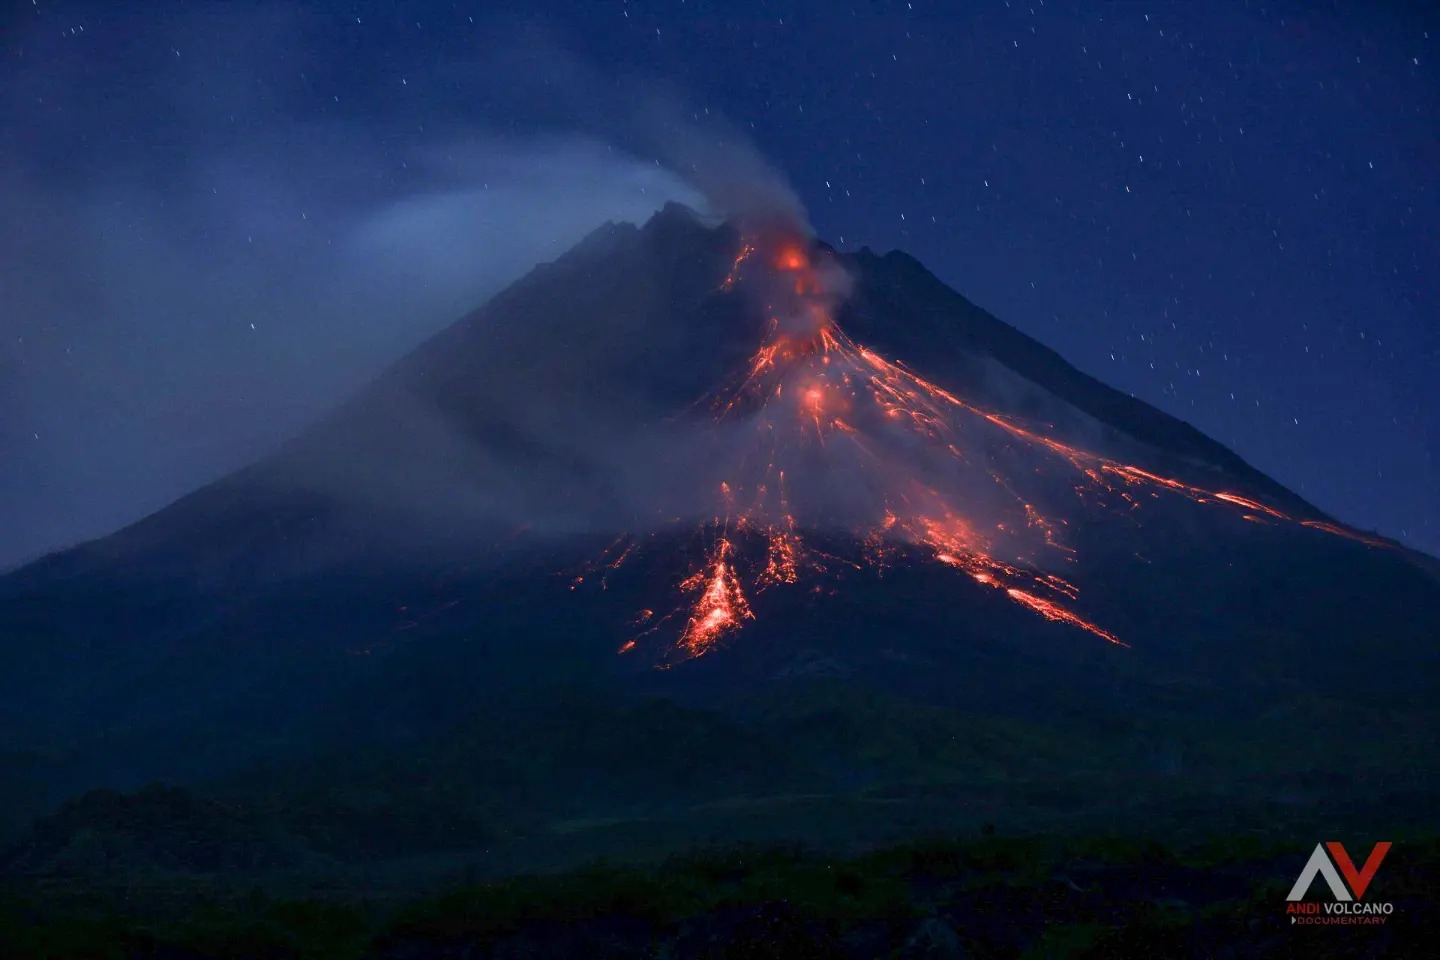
(220, 218)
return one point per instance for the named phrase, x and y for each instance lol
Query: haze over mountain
(818, 491)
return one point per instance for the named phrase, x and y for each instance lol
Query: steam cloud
(198, 264)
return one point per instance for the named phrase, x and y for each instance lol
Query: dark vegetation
(983, 897)
(785, 827)
(572, 773)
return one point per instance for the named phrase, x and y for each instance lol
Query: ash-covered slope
(733, 454)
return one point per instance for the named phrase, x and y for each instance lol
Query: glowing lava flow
(721, 607)
(888, 458)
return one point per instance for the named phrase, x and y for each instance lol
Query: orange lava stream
(1053, 611)
(900, 383)
(784, 551)
(721, 607)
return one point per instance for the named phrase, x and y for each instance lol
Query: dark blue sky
(1228, 209)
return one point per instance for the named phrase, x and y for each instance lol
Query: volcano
(712, 513)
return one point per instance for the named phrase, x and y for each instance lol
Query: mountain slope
(766, 469)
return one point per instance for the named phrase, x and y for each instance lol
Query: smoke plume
(205, 253)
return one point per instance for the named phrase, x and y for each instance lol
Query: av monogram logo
(1359, 880)
(1331, 862)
